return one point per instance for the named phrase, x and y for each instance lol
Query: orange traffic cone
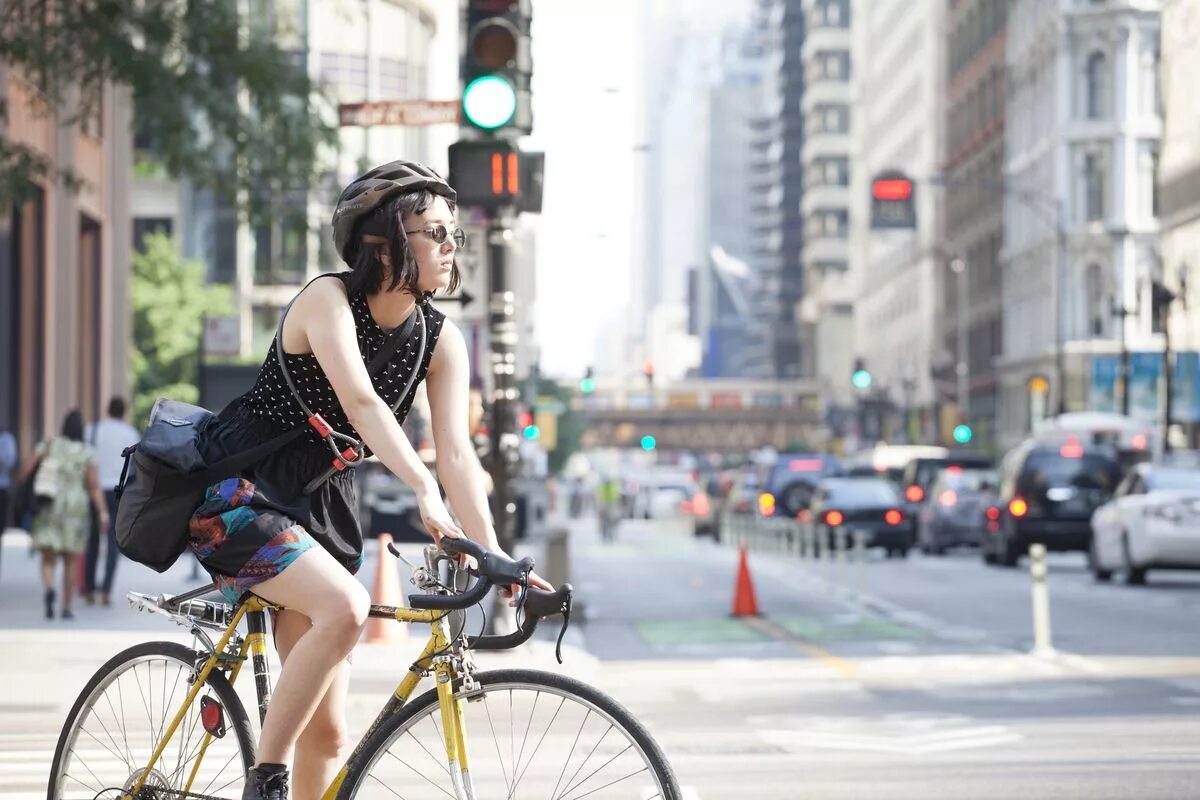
(744, 603)
(387, 593)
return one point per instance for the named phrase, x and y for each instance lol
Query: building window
(829, 66)
(1093, 187)
(1096, 86)
(344, 73)
(1147, 186)
(827, 223)
(1097, 311)
(829, 119)
(144, 226)
(393, 78)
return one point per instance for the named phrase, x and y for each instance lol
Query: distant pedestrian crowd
(64, 494)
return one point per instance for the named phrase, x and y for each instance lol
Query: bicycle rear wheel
(530, 734)
(123, 713)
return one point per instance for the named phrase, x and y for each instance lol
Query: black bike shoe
(266, 782)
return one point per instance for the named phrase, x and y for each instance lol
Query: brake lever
(566, 612)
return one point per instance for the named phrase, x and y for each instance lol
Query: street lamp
(958, 266)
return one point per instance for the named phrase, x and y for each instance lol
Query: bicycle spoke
(496, 741)
(423, 775)
(512, 791)
(525, 738)
(108, 700)
(384, 785)
(597, 769)
(614, 783)
(567, 763)
(442, 764)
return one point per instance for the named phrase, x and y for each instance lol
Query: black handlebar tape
(500, 569)
(453, 602)
(539, 603)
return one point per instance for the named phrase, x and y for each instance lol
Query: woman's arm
(448, 382)
(448, 385)
(321, 319)
(93, 487)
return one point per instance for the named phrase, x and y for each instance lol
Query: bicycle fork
(455, 733)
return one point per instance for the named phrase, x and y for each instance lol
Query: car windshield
(969, 480)
(866, 492)
(1044, 470)
(1169, 479)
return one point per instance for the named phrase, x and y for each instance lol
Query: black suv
(1048, 491)
(793, 478)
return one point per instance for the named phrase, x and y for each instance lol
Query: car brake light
(766, 504)
(993, 513)
(1018, 507)
(914, 493)
(700, 504)
(1071, 449)
(834, 518)
(893, 517)
(685, 506)
(806, 465)
(954, 470)
(804, 515)
(1139, 441)
(948, 497)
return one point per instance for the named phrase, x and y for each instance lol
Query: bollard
(1041, 600)
(839, 555)
(860, 554)
(822, 541)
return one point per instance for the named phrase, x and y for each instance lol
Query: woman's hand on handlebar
(436, 518)
(513, 592)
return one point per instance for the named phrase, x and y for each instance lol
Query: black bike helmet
(369, 192)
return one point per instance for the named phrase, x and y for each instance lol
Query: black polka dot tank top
(271, 399)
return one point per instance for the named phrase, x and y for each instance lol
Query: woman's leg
(321, 589)
(48, 570)
(319, 748)
(68, 580)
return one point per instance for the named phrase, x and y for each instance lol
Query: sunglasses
(439, 233)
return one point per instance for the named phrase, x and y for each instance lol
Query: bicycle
(551, 736)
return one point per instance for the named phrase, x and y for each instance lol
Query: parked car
(1047, 495)
(918, 474)
(671, 495)
(955, 511)
(1152, 521)
(790, 482)
(870, 505)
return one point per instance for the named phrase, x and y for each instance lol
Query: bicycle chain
(157, 793)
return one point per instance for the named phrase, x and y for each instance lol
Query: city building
(827, 307)
(972, 206)
(1179, 197)
(1083, 123)
(897, 100)
(369, 50)
(64, 262)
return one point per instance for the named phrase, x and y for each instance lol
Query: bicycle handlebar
(498, 569)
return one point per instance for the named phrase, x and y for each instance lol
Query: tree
(219, 99)
(169, 303)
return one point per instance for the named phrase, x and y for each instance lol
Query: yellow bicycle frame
(255, 646)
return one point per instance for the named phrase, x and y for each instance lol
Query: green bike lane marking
(667, 633)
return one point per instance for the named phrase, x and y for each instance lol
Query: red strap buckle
(348, 457)
(322, 427)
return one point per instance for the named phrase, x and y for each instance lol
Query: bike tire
(497, 682)
(89, 700)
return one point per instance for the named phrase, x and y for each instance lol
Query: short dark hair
(388, 221)
(116, 407)
(72, 427)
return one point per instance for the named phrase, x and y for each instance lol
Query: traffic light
(963, 433)
(649, 443)
(892, 201)
(496, 66)
(648, 372)
(860, 378)
(588, 384)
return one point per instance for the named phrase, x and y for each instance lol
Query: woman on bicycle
(395, 228)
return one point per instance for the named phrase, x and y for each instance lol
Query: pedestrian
(66, 480)
(109, 437)
(8, 460)
(608, 499)
(262, 531)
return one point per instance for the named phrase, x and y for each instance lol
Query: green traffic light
(649, 443)
(861, 379)
(587, 386)
(963, 433)
(531, 432)
(489, 102)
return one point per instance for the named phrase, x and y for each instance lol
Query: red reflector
(993, 513)
(893, 517)
(892, 189)
(834, 518)
(212, 716)
(1018, 507)
(914, 493)
(805, 465)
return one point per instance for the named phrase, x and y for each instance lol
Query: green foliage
(169, 303)
(221, 101)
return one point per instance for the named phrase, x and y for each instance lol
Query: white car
(1152, 521)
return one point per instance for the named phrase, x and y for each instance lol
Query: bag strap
(352, 453)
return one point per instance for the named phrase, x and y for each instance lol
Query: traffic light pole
(502, 328)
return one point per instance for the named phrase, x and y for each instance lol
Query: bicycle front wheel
(530, 734)
(123, 714)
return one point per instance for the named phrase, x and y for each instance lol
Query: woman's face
(435, 261)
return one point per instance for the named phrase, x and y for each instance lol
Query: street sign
(222, 336)
(410, 113)
(463, 297)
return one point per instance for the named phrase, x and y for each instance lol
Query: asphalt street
(909, 679)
